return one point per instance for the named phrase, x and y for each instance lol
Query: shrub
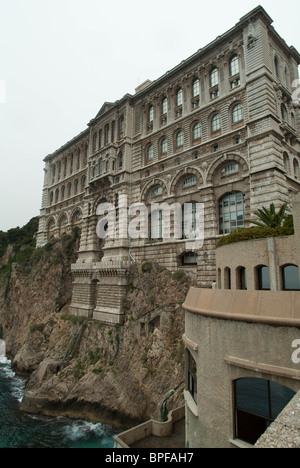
(257, 233)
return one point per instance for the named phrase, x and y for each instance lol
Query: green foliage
(19, 236)
(180, 276)
(268, 217)
(256, 233)
(147, 267)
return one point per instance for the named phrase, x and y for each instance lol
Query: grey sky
(62, 59)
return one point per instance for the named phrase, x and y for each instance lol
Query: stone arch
(150, 185)
(62, 223)
(76, 217)
(181, 174)
(224, 158)
(51, 227)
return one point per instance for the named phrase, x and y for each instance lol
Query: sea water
(22, 430)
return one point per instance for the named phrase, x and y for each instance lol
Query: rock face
(78, 367)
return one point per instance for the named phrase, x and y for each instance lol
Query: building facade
(242, 345)
(221, 129)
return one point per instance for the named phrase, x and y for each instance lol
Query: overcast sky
(60, 60)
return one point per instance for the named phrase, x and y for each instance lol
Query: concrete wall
(230, 343)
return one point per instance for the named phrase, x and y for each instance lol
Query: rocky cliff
(79, 367)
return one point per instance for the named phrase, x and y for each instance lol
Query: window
(283, 113)
(122, 126)
(195, 88)
(296, 169)
(120, 159)
(189, 181)
(179, 138)
(230, 169)
(164, 146)
(234, 67)
(257, 403)
(192, 376)
(190, 220)
(156, 191)
(237, 113)
(263, 277)
(276, 65)
(150, 114)
(189, 258)
(286, 162)
(197, 131)
(157, 224)
(179, 97)
(149, 152)
(164, 106)
(231, 212)
(227, 278)
(241, 278)
(216, 123)
(290, 278)
(106, 134)
(214, 77)
(100, 167)
(94, 141)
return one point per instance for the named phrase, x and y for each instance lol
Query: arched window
(69, 189)
(241, 278)
(94, 141)
(56, 195)
(121, 126)
(276, 65)
(283, 113)
(195, 88)
(293, 120)
(231, 212)
(227, 278)
(214, 77)
(257, 403)
(263, 278)
(216, 123)
(164, 146)
(179, 97)
(234, 66)
(237, 113)
(157, 224)
(76, 187)
(290, 278)
(286, 162)
(120, 161)
(296, 169)
(197, 131)
(62, 193)
(51, 198)
(156, 191)
(190, 220)
(179, 138)
(149, 152)
(100, 166)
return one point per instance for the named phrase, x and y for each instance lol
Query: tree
(269, 217)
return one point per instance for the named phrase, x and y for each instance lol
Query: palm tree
(269, 217)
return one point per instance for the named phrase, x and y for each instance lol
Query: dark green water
(20, 430)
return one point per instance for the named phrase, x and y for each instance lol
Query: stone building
(243, 344)
(221, 128)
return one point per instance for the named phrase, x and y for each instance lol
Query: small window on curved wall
(241, 277)
(263, 278)
(290, 278)
(257, 403)
(192, 376)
